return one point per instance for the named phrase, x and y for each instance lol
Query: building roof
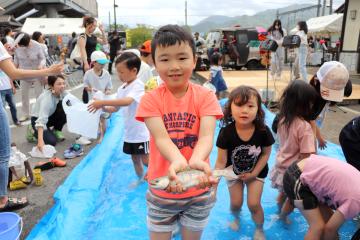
(340, 9)
(10, 20)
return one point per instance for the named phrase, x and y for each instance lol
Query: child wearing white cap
(97, 79)
(330, 82)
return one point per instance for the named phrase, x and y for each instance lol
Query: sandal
(58, 162)
(14, 204)
(17, 184)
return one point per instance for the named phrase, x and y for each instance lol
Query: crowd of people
(170, 126)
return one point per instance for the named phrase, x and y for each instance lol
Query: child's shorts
(164, 214)
(136, 148)
(296, 190)
(261, 177)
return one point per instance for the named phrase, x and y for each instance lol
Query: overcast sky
(160, 12)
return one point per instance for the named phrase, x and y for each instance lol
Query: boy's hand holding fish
(187, 177)
(203, 180)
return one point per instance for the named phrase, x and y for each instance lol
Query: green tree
(140, 34)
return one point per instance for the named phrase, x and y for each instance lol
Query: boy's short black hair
(131, 59)
(25, 40)
(169, 35)
(215, 58)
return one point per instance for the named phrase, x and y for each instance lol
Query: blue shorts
(164, 214)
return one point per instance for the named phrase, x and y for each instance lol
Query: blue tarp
(98, 200)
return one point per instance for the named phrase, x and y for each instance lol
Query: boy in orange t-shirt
(181, 117)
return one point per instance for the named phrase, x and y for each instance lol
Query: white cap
(333, 77)
(134, 51)
(99, 57)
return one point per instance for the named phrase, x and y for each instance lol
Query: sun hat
(146, 47)
(333, 77)
(99, 57)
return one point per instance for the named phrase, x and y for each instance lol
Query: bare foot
(259, 234)
(235, 225)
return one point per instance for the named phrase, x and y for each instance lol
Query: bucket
(79, 120)
(10, 229)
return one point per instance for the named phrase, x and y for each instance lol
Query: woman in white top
(6, 65)
(300, 61)
(29, 55)
(277, 33)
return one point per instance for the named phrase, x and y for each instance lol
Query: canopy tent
(54, 26)
(330, 24)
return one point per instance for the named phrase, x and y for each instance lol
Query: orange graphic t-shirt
(181, 117)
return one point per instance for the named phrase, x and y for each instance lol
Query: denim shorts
(164, 214)
(296, 190)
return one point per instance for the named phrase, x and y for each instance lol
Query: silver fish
(190, 177)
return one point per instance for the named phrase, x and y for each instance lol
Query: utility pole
(186, 13)
(318, 8)
(331, 7)
(109, 22)
(115, 6)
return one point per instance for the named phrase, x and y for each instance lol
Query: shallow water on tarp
(99, 201)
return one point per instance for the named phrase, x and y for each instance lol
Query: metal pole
(109, 22)
(323, 8)
(115, 28)
(186, 13)
(318, 8)
(331, 7)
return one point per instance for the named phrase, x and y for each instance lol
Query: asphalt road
(41, 198)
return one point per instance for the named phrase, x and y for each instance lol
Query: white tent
(54, 26)
(330, 24)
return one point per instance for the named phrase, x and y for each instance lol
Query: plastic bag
(47, 152)
(79, 119)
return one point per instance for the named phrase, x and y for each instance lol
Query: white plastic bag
(17, 160)
(76, 54)
(47, 152)
(79, 119)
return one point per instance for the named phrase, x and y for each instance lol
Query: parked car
(239, 46)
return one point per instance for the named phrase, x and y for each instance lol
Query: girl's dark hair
(25, 40)
(272, 28)
(131, 59)
(170, 35)
(52, 79)
(314, 81)
(88, 20)
(303, 26)
(215, 58)
(297, 100)
(36, 35)
(240, 96)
